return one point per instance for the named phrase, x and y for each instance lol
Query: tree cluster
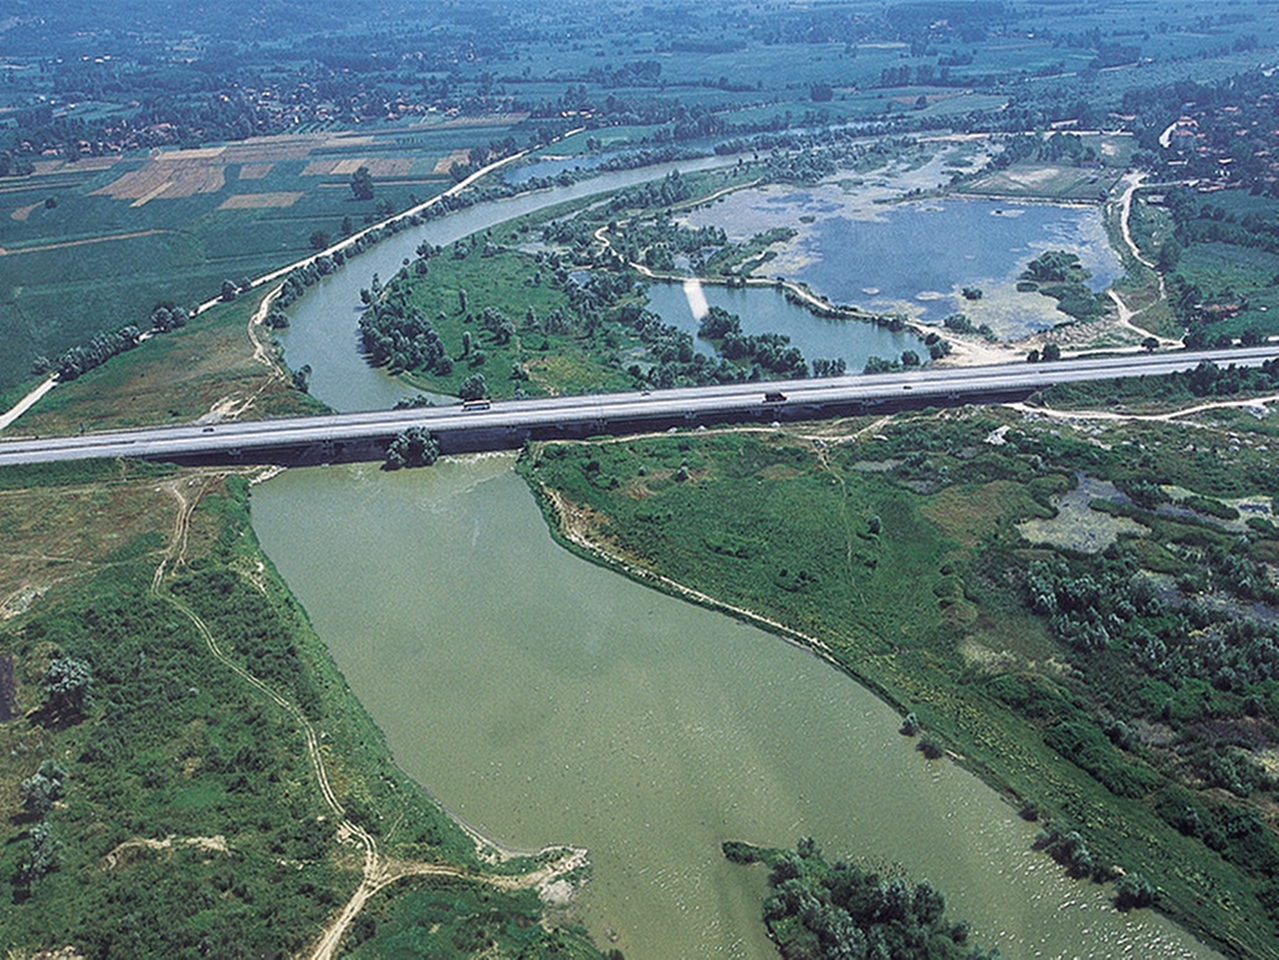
(83, 358)
(400, 337)
(771, 352)
(819, 910)
(414, 447)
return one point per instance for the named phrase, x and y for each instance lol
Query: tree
(302, 378)
(319, 239)
(461, 300)
(473, 387)
(41, 859)
(466, 342)
(929, 904)
(414, 447)
(910, 358)
(166, 317)
(66, 685)
(930, 748)
(1051, 353)
(41, 789)
(1133, 891)
(228, 291)
(1151, 344)
(1196, 338)
(362, 184)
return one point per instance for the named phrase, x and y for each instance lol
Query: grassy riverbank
(893, 547)
(218, 789)
(206, 369)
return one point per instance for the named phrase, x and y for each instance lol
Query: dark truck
(774, 396)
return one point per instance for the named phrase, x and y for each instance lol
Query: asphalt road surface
(614, 412)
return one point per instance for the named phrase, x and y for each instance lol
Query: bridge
(508, 424)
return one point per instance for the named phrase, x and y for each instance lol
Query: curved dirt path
(1173, 416)
(260, 352)
(1125, 228)
(1125, 209)
(1125, 320)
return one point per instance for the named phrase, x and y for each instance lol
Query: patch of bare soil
(444, 164)
(127, 853)
(260, 201)
(319, 168)
(168, 177)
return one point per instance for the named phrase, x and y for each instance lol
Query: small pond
(766, 310)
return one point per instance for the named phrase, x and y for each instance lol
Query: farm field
(90, 245)
(1250, 273)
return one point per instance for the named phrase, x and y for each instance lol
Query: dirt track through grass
(4, 252)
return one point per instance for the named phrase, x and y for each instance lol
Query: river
(324, 325)
(546, 700)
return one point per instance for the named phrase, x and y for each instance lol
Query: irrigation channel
(544, 699)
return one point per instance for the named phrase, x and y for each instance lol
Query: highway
(508, 422)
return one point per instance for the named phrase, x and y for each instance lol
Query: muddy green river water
(546, 700)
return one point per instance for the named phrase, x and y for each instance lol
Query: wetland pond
(916, 257)
(544, 699)
(766, 310)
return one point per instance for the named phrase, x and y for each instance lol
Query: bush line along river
(544, 699)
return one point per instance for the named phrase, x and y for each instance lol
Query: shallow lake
(544, 699)
(766, 310)
(915, 257)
